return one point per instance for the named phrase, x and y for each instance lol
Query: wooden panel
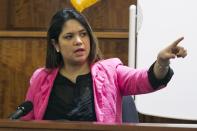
(18, 59)
(105, 15)
(115, 48)
(153, 119)
(35, 15)
(3, 14)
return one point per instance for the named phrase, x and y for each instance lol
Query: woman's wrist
(163, 63)
(161, 68)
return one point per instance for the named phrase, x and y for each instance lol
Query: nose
(78, 40)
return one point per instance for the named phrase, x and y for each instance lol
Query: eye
(68, 37)
(83, 34)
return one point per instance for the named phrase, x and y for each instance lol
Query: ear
(56, 46)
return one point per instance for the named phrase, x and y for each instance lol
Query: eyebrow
(69, 33)
(82, 30)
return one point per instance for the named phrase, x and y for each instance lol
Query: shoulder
(41, 73)
(38, 72)
(107, 65)
(113, 62)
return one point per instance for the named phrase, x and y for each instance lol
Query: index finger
(175, 43)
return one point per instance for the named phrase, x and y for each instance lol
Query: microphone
(21, 110)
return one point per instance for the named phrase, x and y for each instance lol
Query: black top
(75, 101)
(71, 101)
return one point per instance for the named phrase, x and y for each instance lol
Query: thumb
(170, 56)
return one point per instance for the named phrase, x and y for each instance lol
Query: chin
(81, 61)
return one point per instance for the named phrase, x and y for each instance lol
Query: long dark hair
(53, 58)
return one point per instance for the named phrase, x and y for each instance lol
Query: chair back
(129, 111)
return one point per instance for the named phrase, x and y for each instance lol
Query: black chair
(129, 111)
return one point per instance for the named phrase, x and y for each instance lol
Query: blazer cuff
(156, 83)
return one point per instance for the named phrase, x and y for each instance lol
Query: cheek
(88, 45)
(66, 50)
(88, 48)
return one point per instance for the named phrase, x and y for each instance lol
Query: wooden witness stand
(16, 125)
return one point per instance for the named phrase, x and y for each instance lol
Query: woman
(77, 84)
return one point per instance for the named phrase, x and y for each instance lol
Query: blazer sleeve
(133, 81)
(31, 92)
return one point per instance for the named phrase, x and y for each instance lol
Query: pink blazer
(111, 81)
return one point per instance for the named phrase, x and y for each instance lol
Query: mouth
(79, 50)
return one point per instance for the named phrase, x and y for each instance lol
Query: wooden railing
(7, 125)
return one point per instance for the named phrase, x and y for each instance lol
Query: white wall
(163, 22)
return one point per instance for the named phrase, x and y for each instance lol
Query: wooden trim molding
(42, 34)
(19, 34)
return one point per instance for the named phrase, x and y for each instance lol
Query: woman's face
(73, 43)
